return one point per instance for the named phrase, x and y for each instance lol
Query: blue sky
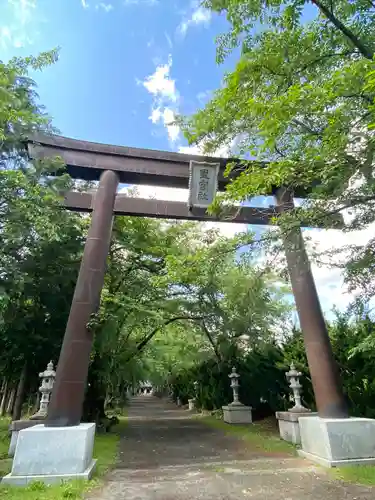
(126, 68)
(119, 61)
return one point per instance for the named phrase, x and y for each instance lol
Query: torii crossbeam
(114, 164)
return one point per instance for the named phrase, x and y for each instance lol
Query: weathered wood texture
(139, 207)
(87, 160)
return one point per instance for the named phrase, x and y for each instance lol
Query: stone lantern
(193, 400)
(236, 412)
(293, 377)
(48, 379)
(289, 420)
(234, 383)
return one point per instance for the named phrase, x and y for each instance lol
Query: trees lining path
(165, 454)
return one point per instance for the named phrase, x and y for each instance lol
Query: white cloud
(107, 7)
(190, 150)
(197, 149)
(167, 117)
(156, 115)
(204, 97)
(84, 3)
(165, 99)
(329, 280)
(5, 36)
(199, 16)
(160, 84)
(169, 40)
(159, 193)
(141, 2)
(21, 24)
(24, 10)
(173, 130)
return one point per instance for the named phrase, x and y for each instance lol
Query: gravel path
(167, 455)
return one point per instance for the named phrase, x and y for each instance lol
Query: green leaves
(41, 243)
(20, 115)
(296, 104)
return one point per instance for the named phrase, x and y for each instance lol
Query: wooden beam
(87, 160)
(139, 207)
(179, 210)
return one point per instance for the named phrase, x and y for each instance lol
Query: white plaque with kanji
(202, 183)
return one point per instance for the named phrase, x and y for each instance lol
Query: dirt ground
(165, 454)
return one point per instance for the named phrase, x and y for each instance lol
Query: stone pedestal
(336, 442)
(15, 427)
(191, 403)
(289, 425)
(52, 454)
(237, 414)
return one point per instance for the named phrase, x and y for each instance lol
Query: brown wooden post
(65, 408)
(330, 400)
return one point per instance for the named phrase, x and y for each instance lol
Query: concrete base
(289, 425)
(336, 442)
(50, 454)
(237, 414)
(49, 479)
(15, 427)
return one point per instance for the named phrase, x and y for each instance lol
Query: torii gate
(114, 164)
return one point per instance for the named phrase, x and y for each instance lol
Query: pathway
(167, 455)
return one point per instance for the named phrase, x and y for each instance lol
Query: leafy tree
(352, 336)
(136, 305)
(20, 114)
(173, 295)
(239, 303)
(297, 105)
(262, 385)
(180, 346)
(370, 87)
(41, 243)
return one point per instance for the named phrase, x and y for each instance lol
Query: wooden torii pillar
(114, 164)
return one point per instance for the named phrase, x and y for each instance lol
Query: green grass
(105, 450)
(359, 474)
(5, 462)
(4, 438)
(260, 436)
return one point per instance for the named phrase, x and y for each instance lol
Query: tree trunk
(37, 402)
(4, 399)
(94, 403)
(11, 400)
(17, 408)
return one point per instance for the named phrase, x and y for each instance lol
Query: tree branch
(322, 57)
(353, 202)
(365, 51)
(212, 342)
(142, 344)
(307, 128)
